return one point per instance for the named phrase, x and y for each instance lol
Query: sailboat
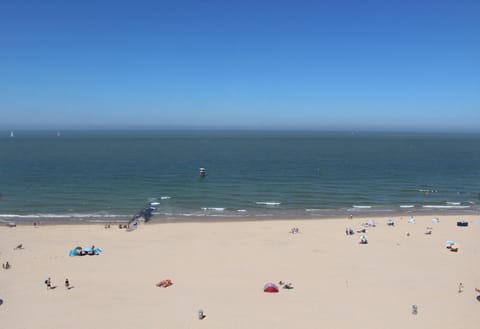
(11, 134)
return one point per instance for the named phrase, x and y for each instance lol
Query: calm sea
(108, 176)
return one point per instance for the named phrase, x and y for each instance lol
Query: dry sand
(222, 267)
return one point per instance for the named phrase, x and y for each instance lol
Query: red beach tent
(270, 287)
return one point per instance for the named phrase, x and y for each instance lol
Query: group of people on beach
(294, 230)
(48, 283)
(7, 265)
(83, 252)
(285, 285)
(363, 239)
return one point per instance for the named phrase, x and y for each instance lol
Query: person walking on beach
(67, 284)
(48, 283)
(460, 287)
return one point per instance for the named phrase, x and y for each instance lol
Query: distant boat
(11, 134)
(58, 134)
(203, 172)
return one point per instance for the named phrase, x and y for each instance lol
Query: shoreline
(160, 219)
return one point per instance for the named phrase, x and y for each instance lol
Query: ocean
(108, 176)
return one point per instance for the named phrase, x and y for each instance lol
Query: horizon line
(238, 130)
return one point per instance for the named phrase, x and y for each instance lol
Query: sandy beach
(221, 268)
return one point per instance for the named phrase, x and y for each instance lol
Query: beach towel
(75, 252)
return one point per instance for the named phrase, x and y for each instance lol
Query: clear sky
(323, 65)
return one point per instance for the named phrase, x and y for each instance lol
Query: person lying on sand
(20, 246)
(285, 285)
(288, 286)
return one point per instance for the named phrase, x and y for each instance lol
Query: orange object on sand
(164, 283)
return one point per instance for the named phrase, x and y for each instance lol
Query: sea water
(111, 175)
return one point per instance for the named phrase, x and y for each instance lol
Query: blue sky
(321, 65)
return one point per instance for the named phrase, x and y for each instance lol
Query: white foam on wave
(454, 203)
(154, 203)
(242, 210)
(15, 216)
(214, 209)
(445, 207)
(75, 215)
(407, 206)
(362, 207)
(309, 210)
(265, 203)
(166, 197)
